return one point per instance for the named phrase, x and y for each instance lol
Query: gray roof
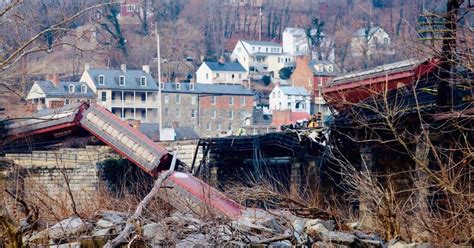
(186, 133)
(261, 43)
(132, 79)
(228, 66)
(381, 69)
(312, 64)
(361, 31)
(213, 89)
(62, 89)
(290, 90)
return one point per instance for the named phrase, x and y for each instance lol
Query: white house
(261, 57)
(129, 94)
(296, 99)
(367, 41)
(52, 93)
(295, 42)
(221, 73)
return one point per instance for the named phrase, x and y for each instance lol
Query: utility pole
(261, 23)
(158, 59)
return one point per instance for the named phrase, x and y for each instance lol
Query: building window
(162, 86)
(213, 100)
(242, 101)
(230, 126)
(178, 99)
(103, 96)
(101, 79)
(230, 114)
(240, 75)
(67, 102)
(208, 126)
(178, 113)
(233, 76)
(193, 113)
(178, 86)
(71, 88)
(213, 114)
(193, 100)
(166, 112)
(167, 98)
(83, 89)
(273, 95)
(218, 126)
(143, 81)
(289, 105)
(122, 80)
(207, 75)
(143, 97)
(279, 105)
(217, 75)
(385, 41)
(289, 97)
(231, 100)
(191, 86)
(266, 49)
(253, 48)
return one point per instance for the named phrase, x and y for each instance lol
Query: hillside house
(370, 40)
(221, 73)
(129, 94)
(294, 99)
(52, 93)
(296, 43)
(261, 57)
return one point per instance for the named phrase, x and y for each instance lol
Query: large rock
(68, 245)
(281, 244)
(64, 229)
(194, 240)
(113, 217)
(155, 233)
(337, 237)
(328, 224)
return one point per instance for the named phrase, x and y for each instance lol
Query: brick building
(313, 75)
(211, 109)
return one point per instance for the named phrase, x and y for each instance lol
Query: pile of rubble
(256, 227)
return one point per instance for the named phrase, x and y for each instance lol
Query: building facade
(261, 57)
(211, 109)
(313, 75)
(370, 40)
(221, 73)
(129, 94)
(294, 99)
(53, 93)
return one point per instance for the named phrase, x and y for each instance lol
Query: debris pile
(256, 227)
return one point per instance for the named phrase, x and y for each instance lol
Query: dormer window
(330, 68)
(143, 81)
(71, 88)
(83, 88)
(191, 86)
(178, 86)
(162, 86)
(101, 79)
(122, 80)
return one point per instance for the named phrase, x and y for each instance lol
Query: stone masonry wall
(44, 173)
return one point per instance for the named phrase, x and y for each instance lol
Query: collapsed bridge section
(183, 191)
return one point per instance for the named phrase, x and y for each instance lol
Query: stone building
(210, 109)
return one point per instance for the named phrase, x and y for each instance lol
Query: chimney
(146, 68)
(86, 66)
(221, 60)
(54, 78)
(123, 67)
